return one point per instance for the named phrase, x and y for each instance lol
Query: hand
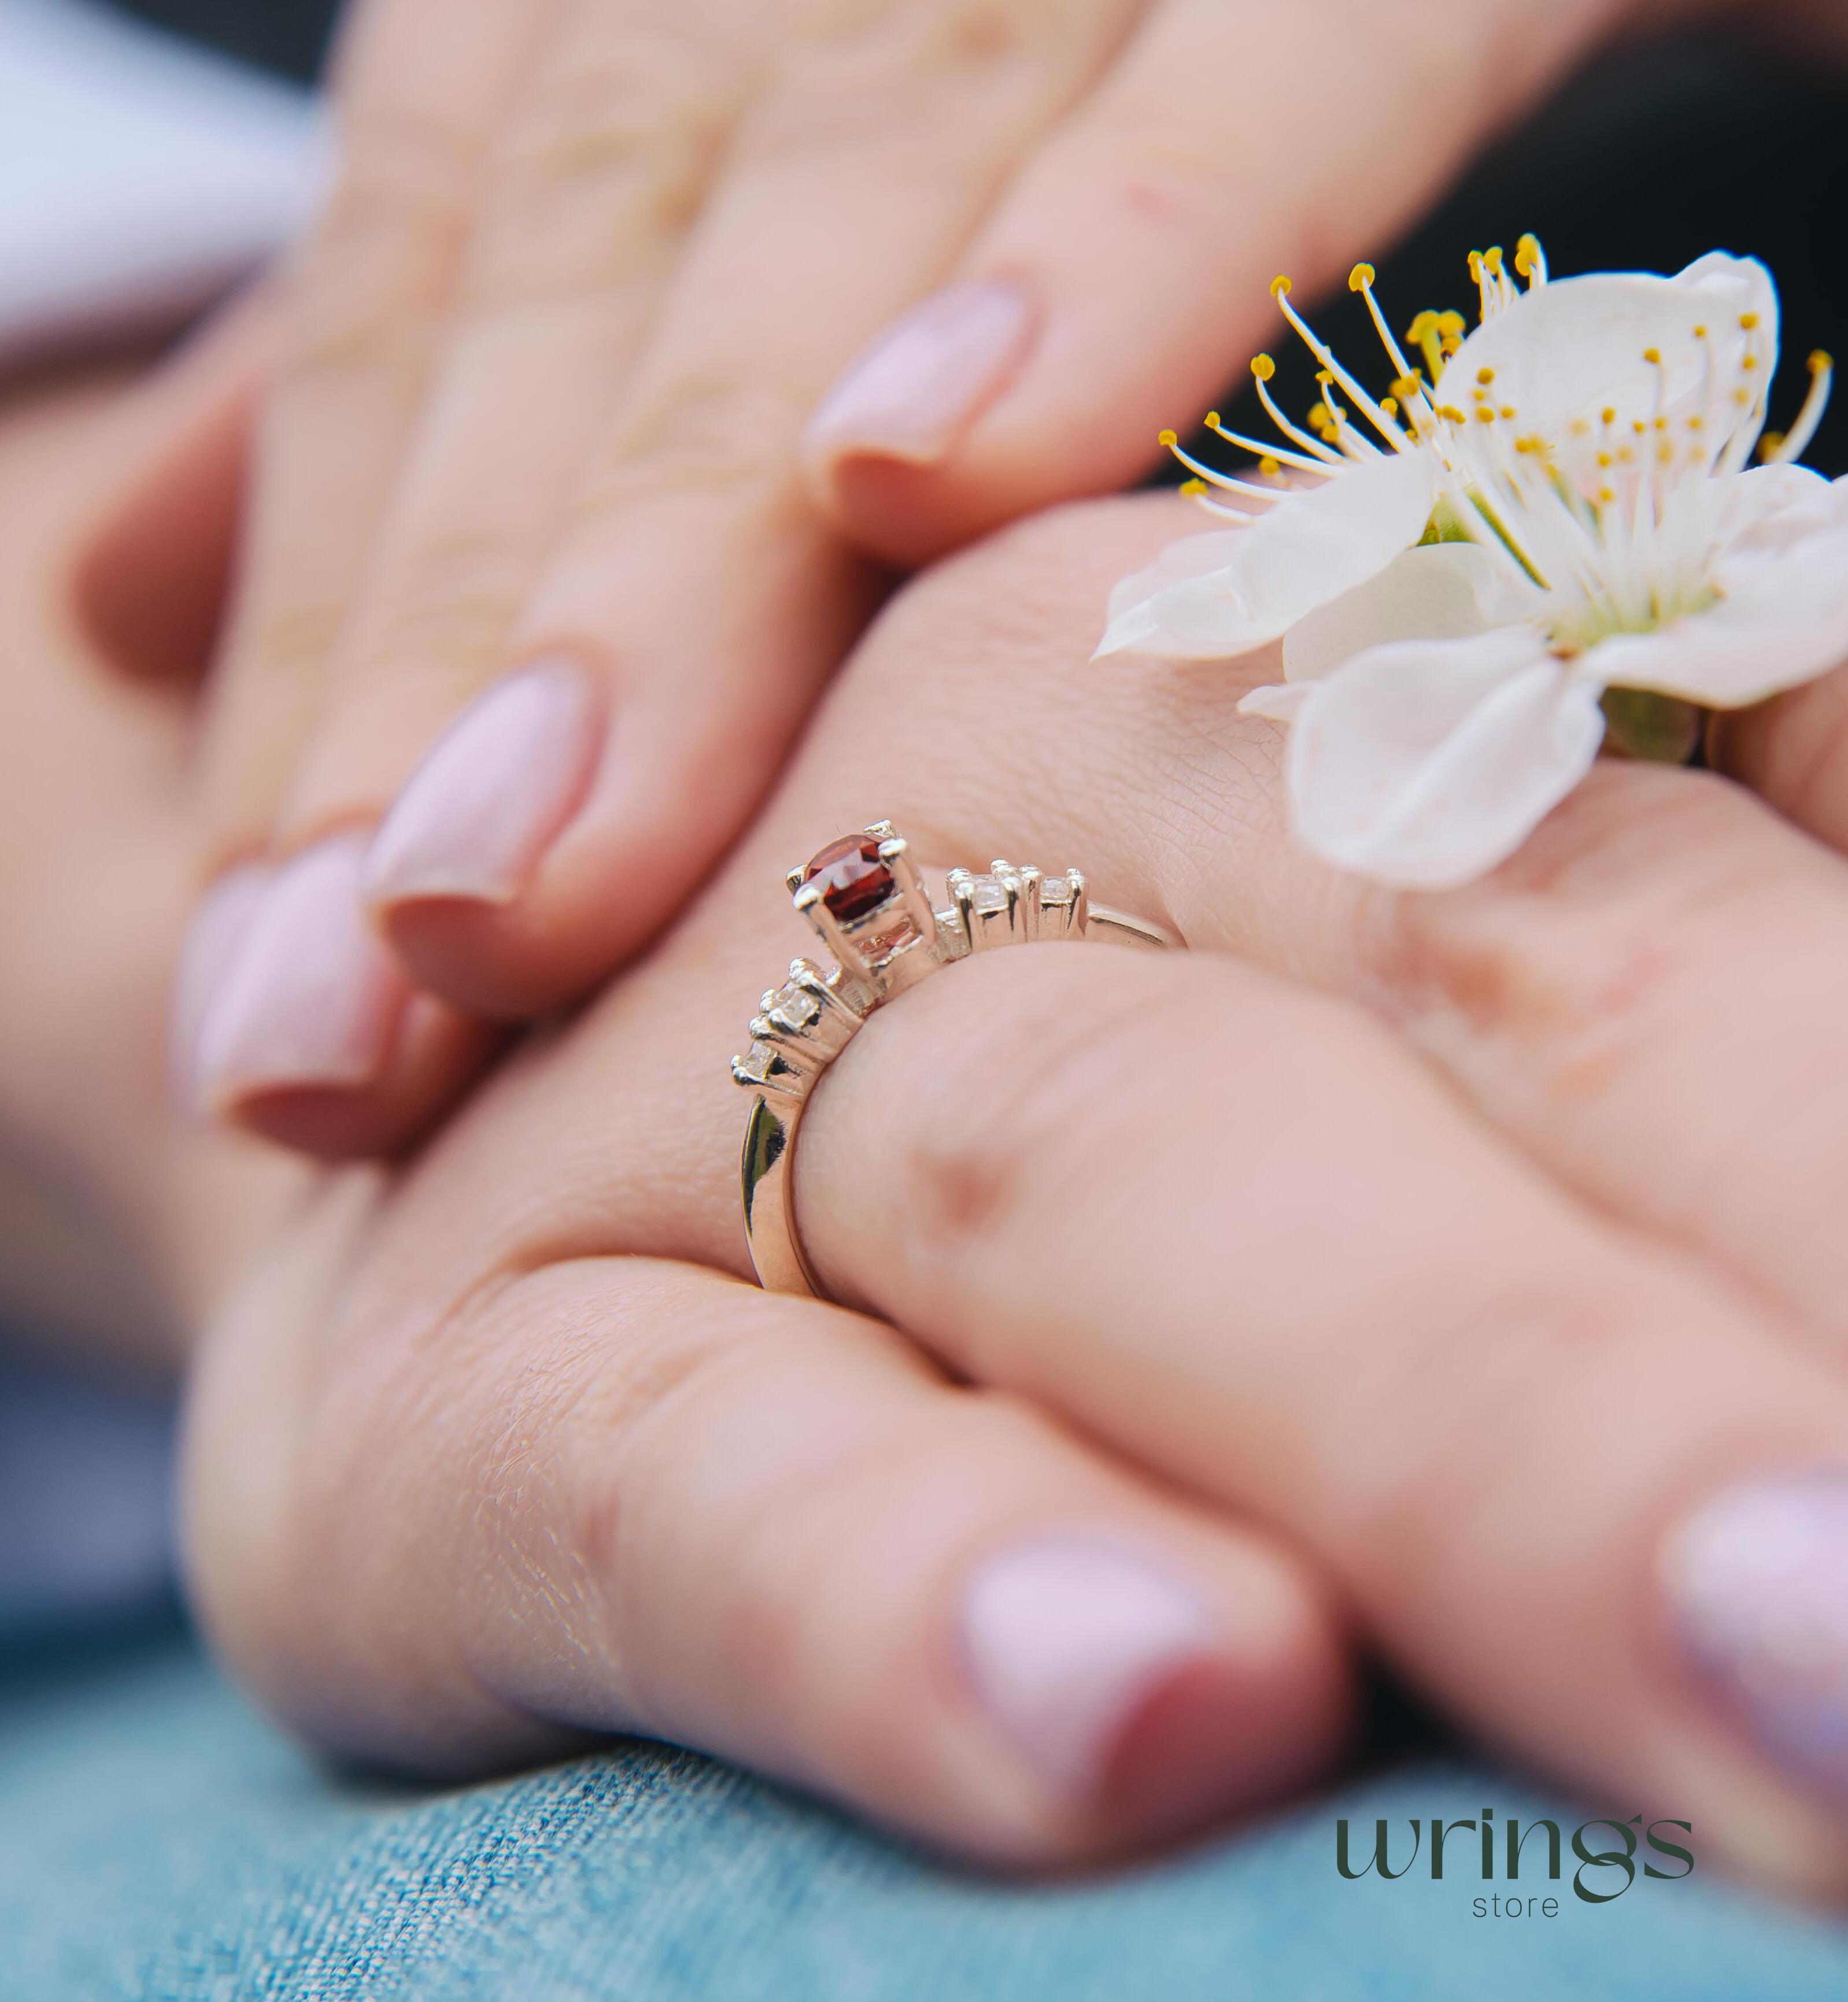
(1476, 1246)
(557, 423)
(117, 510)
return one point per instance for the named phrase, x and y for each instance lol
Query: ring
(868, 903)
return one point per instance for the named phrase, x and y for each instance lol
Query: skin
(118, 1223)
(589, 269)
(1551, 1262)
(463, 1430)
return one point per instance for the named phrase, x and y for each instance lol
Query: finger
(293, 1020)
(642, 1498)
(1793, 752)
(1243, 1236)
(527, 856)
(420, 91)
(129, 1218)
(1142, 236)
(421, 86)
(584, 198)
(1660, 927)
(152, 580)
(1657, 918)
(695, 713)
(316, 1040)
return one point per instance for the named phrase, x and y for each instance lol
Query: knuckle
(916, 74)
(622, 1370)
(1422, 1450)
(1038, 1086)
(452, 599)
(382, 257)
(611, 158)
(1574, 958)
(703, 425)
(1149, 172)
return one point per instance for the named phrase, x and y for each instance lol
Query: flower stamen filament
(1389, 431)
(1794, 444)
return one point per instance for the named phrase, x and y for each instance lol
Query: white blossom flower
(1558, 507)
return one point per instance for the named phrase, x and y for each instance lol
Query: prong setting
(866, 900)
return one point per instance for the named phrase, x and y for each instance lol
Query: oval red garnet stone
(855, 882)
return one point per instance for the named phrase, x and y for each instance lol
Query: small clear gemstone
(990, 895)
(793, 1008)
(1055, 890)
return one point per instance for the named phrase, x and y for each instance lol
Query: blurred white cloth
(140, 177)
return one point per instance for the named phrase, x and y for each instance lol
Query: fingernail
(493, 792)
(1757, 1580)
(213, 935)
(1066, 1641)
(912, 393)
(310, 996)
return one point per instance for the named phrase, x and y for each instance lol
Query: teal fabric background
(158, 1842)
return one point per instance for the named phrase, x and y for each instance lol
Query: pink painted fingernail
(309, 996)
(1757, 1581)
(927, 378)
(1066, 1641)
(217, 928)
(493, 792)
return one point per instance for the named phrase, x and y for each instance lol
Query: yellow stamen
(1384, 425)
(1270, 455)
(1821, 371)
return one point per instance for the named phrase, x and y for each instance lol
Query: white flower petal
(1777, 507)
(1782, 622)
(1424, 764)
(1574, 348)
(1718, 276)
(1213, 597)
(1443, 590)
(1281, 701)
